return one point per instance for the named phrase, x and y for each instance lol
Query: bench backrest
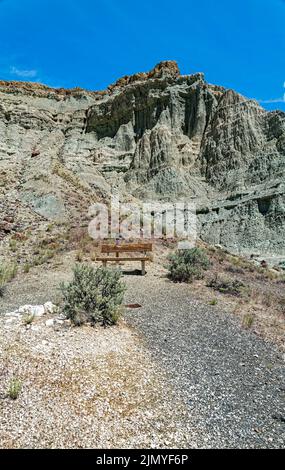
(126, 248)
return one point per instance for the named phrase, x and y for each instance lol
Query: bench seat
(123, 258)
(116, 250)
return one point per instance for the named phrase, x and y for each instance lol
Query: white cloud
(23, 73)
(277, 100)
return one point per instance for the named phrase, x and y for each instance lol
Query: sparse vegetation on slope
(226, 285)
(7, 273)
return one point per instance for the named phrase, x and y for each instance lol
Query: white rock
(185, 245)
(61, 316)
(36, 310)
(50, 307)
(25, 309)
(50, 322)
(35, 328)
(15, 314)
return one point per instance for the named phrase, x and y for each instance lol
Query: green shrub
(227, 286)
(12, 271)
(27, 268)
(42, 257)
(14, 389)
(13, 245)
(7, 273)
(28, 318)
(187, 265)
(94, 295)
(248, 320)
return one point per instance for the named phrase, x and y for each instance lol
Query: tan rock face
(151, 135)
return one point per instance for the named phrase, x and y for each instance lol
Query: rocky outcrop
(156, 135)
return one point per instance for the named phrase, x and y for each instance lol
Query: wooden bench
(130, 248)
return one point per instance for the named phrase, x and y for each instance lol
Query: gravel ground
(85, 388)
(232, 381)
(177, 373)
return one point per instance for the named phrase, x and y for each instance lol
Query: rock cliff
(156, 135)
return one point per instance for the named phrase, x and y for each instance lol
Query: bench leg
(104, 264)
(143, 268)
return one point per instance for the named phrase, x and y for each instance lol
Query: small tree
(187, 265)
(94, 295)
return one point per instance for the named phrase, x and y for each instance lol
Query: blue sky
(90, 44)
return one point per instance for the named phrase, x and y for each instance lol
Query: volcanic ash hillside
(157, 135)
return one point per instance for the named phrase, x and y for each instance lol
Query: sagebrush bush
(94, 295)
(187, 265)
(227, 286)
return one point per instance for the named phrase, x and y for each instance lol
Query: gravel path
(232, 380)
(196, 378)
(85, 388)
